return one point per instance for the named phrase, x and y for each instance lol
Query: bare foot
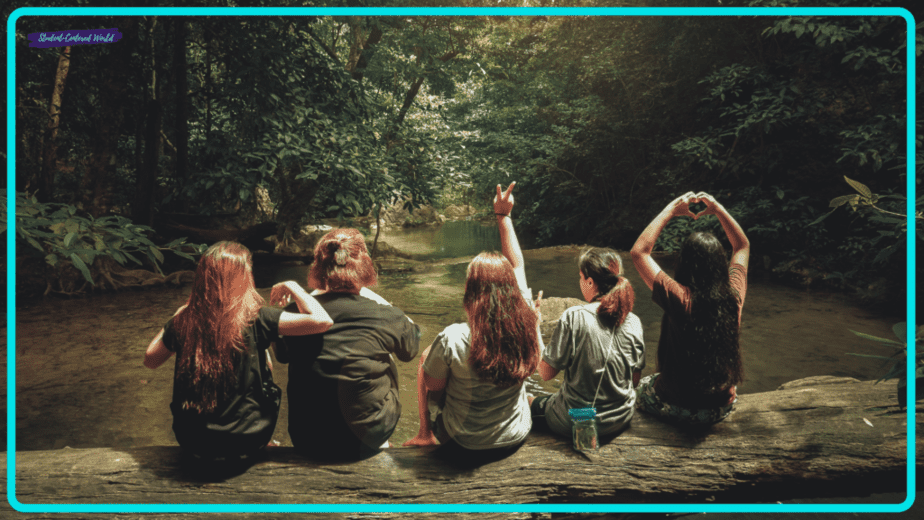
(422, 439)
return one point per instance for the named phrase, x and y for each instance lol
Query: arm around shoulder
(295, 324)
(311, 318)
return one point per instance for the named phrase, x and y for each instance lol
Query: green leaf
(859, 186)
(132, 258)
(819, 219)
(78, 263)
(119, 257)
(35, 244)
(184, 255)
(900, 330)
(157, 254)
(52, 259)
(69, 239)
(880, 340)
(843, 199)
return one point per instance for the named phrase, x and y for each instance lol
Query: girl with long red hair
(482, 365)
(225, 403)
(599, 347)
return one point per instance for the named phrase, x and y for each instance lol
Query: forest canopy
(600, 119)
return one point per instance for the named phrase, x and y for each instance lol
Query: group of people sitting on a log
(339, 342)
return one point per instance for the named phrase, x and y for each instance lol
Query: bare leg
(425, 435)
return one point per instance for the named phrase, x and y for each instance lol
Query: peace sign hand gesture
(503, 201)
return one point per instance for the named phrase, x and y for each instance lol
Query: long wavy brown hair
(505, 343)
(222, 303)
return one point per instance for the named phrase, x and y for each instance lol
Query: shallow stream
(80, 381)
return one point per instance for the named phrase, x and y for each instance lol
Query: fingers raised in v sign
(503, 201)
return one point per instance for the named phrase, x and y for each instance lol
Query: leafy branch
(863, 198)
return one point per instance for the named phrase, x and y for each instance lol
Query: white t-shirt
(580, 346)
(477, 415)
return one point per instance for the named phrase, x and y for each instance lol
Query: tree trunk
(408, 100)
(359, 60)
(147, 180)
(208, 92)
(378, 229)
(295, 195)
(143, 212)
(182, 101)
(413, 90)
(95, 187)
(50, 147)
(822, 437)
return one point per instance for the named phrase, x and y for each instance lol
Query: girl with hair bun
(599, 347)
(225, 403)
(343, 384)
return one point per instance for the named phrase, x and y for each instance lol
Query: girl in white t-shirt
(481, 366)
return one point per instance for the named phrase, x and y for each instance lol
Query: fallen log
(251, 236)
(817, 437)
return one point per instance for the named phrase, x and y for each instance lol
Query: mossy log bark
(816, 437)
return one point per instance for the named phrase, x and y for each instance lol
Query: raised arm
(510, 247)
(641, 251)
(741, 247)
(311, 317)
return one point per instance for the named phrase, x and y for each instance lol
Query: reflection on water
(450, 240)
(80, 381)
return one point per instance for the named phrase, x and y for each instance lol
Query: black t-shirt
(245, 419)
(343, 384)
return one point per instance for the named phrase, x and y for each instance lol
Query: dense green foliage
(57, 234)
(600, 119)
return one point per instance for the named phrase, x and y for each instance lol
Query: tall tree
(50, 147)
(96, 184)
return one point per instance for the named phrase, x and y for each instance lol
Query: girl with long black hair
(699, 357)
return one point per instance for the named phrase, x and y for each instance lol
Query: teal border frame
(449, 508)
